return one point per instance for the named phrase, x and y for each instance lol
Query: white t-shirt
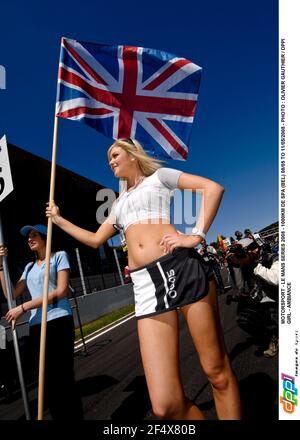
(149, 200)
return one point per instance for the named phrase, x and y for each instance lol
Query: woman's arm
(212, 194)
(20, 287)
(53, 296)
(270, 275)
(92, 239)
(17, 290)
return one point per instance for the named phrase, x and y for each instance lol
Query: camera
(237, 250)
(238, 256)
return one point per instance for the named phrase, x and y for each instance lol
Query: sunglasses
(129, 141)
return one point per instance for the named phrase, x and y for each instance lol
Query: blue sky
(234, 139)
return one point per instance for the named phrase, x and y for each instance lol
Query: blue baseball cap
(41, 229)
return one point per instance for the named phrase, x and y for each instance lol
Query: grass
(103, 321)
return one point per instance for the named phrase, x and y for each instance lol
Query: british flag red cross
(127, 91)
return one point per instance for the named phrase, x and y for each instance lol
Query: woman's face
(120, 162)
(35, 241)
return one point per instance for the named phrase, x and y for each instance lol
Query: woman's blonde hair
(148, 165)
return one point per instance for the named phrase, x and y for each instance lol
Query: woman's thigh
(159, 345)
(203, 320)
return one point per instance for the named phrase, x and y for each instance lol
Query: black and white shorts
(169, 282)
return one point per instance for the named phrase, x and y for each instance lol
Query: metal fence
(91, 271)
(271, 233)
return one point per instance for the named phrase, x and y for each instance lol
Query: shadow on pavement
(240, 347)
(259, 397)
(137, 404)
(95, 384)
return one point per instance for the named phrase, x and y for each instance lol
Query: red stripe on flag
(166, 74)
(83, 110)
(127, 108)
(100, 95)
(84, 65)
(169, 137)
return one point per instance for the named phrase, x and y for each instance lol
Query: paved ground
(111, 382)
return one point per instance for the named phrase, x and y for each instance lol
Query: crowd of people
(254, 274)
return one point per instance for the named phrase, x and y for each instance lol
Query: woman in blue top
(59, 372)
(168, 274)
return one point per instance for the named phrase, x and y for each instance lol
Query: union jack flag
(130, 92)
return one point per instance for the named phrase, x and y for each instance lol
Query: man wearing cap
(238, 235)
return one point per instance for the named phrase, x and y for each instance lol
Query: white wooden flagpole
(46, 280)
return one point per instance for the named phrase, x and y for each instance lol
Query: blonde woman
(168, 274)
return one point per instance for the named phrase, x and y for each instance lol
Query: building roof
(74, 194)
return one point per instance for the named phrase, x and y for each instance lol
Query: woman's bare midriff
(143, 242)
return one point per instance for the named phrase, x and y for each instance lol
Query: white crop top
(149, 200)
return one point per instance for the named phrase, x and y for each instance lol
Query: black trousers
(60, 391)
